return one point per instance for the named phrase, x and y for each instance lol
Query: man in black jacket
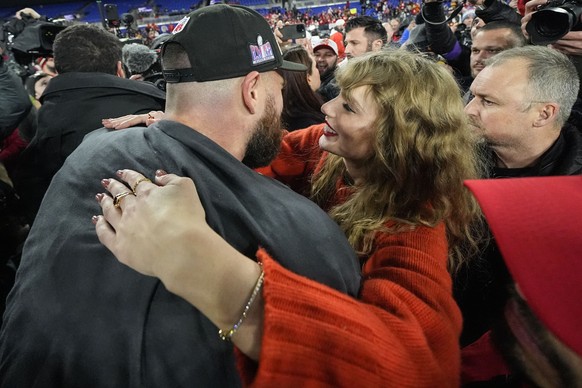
(76, 317)
(523, 112)
(91, 86)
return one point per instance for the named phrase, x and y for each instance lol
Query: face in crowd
(500, 106)
(326, 60)
(486, 44)
(358, 43)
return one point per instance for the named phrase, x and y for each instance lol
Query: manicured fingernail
(99, 197)
(119, 173)
(161, 173)
(94, 219)
(105, 182)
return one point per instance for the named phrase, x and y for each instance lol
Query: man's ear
(547, 114)
(377, 45)
(250, 91)
(120, 70)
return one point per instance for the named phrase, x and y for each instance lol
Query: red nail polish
(161, 172)
(119, 173)
(99, 197)
(105, 182)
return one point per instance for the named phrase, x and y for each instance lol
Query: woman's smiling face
(349, 130)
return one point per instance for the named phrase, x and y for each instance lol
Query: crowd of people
(391, 200)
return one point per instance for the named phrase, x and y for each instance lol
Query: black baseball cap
(225, 41)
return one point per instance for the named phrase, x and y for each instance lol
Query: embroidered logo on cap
(262, 52)
(181, 24)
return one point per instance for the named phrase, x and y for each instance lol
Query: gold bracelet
(226, 335)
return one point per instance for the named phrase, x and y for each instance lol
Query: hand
(150, 228)
(133, 120)
(279, 37)
(159, 229)
(530, 8)
(27, 11)
(570, 44)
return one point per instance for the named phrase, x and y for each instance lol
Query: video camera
(27, 39)
(554, 20)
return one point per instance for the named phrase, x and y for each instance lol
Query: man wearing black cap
(76, 317)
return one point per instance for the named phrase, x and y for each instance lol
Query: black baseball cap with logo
(225, 41)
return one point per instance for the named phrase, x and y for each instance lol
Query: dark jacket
(329, 88)
(14, 101)
(479, 290)
(495, 10)
(78, 318)
(441, 40)
(73, 105)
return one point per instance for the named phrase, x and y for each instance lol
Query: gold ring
(117, 199)
(140, 180)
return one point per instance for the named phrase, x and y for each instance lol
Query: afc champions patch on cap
(262, 52)
(225, 41)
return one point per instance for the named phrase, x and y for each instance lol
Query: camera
(554, 20)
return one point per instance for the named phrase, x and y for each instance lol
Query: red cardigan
(403, 330)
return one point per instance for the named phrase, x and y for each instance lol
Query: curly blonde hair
(423, 151)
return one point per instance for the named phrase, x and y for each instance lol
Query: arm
(403, 331)
(440, 37)
(495, 10)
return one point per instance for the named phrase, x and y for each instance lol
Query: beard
(265, 142)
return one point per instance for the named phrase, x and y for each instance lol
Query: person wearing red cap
(326, 58)
(536, 223)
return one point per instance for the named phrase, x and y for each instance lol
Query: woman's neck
(355, 170)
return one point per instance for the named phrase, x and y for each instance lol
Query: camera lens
(549, 25)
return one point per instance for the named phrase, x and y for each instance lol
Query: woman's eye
(348, 108)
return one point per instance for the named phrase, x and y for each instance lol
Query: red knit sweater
(402, 331)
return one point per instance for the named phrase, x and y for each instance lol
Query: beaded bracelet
(226, 335)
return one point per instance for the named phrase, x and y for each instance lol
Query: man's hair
(552, 76)
(86, 48)
(516, 39)
(372, 27)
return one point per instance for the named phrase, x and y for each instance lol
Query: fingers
(105, 232)
(125, 121)
(120, 193)
(136, 181)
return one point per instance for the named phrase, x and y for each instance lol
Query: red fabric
(536, 223)
(11, 147)
(481, 361)
(338, 38)
(402, 331)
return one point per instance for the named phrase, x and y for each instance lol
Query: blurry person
(326, 57)
(301, 104)
(364, 34)
(491, 39)
(90, 85)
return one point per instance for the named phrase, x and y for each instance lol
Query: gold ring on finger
(140, 180)
(117, 199)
